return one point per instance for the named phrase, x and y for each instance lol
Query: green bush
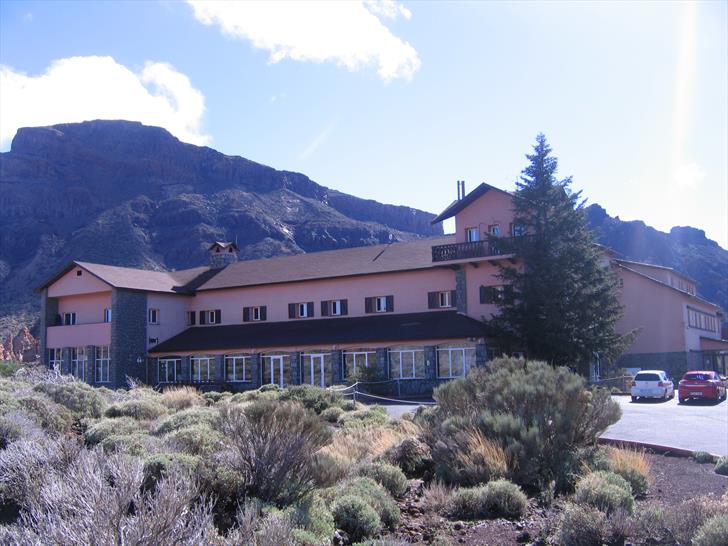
(9, 432)
(270, 387)
(196, 439)
(499, 498)
(606, 491)
(703, 457)
(135, 443)
(713, 532)
(356, 517)
(313, 398)
(388, 476)
(332, 414)
(81, 399)
(721, 466)
(187, 418)
(328, 469)
(395, 542)
(157, 465)
(313, 516)
(104, 428)
(7, 401)
(412, 456)
(47, 414)
(141, 409)
(581, 526)
(364, 418)
(9, 367)
(349, 405)
(214, 397)
(372, 493)
(543, 416)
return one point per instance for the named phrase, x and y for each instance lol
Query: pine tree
(562, 304)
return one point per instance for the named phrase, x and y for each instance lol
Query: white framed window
(191, 318)
(153, 316)
(355, 361)
(103, 363)
(238, 368)
(316, 369)
(55, 359)
(472, 234)
(444, 299)
(69, 319)
(701, 320)
(380, 304)
(210, 316)
(255, 314)
(336, 307)
(454, 361)
(494, 230)
(202, 368)
(406, 363)
(78, 362)
(107, 315)
(302, 310)
(170, 370)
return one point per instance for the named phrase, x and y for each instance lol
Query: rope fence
(355, 392)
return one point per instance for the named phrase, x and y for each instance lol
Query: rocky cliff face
(123, 193)
(685, 249)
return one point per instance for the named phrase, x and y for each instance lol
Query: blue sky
(397, 101)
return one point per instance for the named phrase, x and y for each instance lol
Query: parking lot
(697, 426)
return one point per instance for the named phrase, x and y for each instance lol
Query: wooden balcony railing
(474, 249)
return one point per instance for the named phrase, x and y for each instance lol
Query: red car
(700, 384)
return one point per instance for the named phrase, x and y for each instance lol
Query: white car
(652, 384)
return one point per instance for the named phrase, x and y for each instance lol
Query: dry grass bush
(499, 498)
(681, 523)
(332, 415)
(469, 458)
(179, 398)
(81, 399)
(330, 468)
(633, 465)
(581, 526)
(369, 417)
(87, 500)
(605, 491)
(195, 439)
(359, 443)
(188, 417)
(102, 429)
(141, 409)
(437, 497)
(713, 532)
(274, 445)
(406, 426)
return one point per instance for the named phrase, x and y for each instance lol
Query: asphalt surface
(697, 426)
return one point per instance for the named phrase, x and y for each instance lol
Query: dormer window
(472, 234)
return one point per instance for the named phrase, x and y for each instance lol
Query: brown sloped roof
(136, 279)
(459, 204)
(328, 264)
(371, 328)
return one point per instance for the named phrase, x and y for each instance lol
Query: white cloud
(349, 33)
(688, 175)
(85, 88)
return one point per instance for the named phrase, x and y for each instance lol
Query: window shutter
(309, 306)
(432, 302)
(192, 318)
(203, 317)
(218, 316)
(291, 310)
(483, 294)
(324, 308)
(246, 314)
(263, 313)
(368, 305)
(59, 320)
(390, 303)
(453, 298)
(344, 307)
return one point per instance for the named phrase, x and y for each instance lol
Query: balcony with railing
(473, 249)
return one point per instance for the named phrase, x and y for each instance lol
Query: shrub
(349, 405)
(104, 428)
(703, 457)
(581, 526)
(9, 432)
(81, 399)
(270, 387)
(633, 466)
(721, 466)
(313, 516)
(9, 367)
(329, 468)
(49, 415)
(179, 398)
(606, 491)
(467, 457)
(140, 409)
(388, 476)
(356, 517)
(364, 418)
(388, 542)
(499, 498)
(135, 443)
(160, 464)
(313, 398)
(274, 444)
(714, 531)
(332, 414)
(187, 418)
(213, 397)
(684, 520)
(372, 493)
(437, 497)
(543, 416)
(465, 503)
(412, 456)
(196, 439)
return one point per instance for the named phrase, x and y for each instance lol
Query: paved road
(697, 426)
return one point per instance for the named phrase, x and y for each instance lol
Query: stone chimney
(222, 254)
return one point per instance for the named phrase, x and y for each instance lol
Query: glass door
(273, 370)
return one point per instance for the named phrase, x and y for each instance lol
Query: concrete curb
(677, 451)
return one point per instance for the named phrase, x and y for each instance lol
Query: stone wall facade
(675, 364)
(48, 313)
(128, 336)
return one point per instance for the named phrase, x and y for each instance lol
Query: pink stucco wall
(89, 308)
(79, 335)
(408, 288)
(70, 284)
(172, 316)
(475, 277)
(665, 275)
(495, 207)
